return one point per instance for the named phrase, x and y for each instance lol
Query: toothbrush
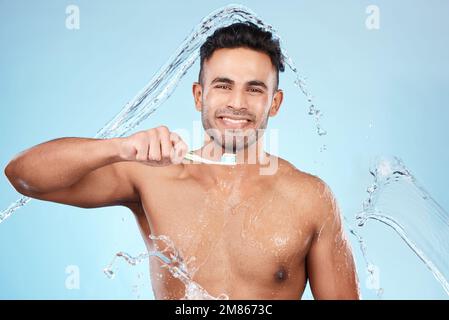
(227, 159)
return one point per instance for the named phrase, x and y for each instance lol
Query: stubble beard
(232, 140)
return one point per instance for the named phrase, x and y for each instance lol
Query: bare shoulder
(144, 179)
(311, 193)
(304, 182)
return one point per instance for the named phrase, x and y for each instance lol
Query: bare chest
(231, 235)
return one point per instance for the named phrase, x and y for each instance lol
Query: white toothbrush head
(227, 159)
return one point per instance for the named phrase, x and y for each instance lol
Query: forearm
(60, 163)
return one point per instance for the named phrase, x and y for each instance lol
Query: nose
(237, 100)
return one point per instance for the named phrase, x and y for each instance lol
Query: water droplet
(109, 273)
(321, 131)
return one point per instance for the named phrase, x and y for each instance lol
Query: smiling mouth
(234, 123)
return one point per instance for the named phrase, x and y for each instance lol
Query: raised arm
(330, 263)
(90, 173)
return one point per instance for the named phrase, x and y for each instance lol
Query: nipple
(281, 274)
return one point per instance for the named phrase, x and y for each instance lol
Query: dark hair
(243, 34)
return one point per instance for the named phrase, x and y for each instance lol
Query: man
(252, 235)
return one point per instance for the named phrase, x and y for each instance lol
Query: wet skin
(252, 236)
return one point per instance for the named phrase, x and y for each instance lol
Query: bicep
(330, 264)
(106, 186)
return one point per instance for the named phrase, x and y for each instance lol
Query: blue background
(381, 91)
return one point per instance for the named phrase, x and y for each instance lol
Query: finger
(174, 137)
(154, 153)
(179, 148)
(142, 151)
(166, 145)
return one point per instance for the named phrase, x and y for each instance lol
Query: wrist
(116, 149)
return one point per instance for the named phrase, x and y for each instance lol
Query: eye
(222, 86)
(255, 90)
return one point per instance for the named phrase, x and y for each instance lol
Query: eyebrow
(249, 83)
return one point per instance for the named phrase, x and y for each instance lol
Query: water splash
(372, 280)
(173, 261)
(13, 207)
(138, 286)
(397, 199)
(165, 81)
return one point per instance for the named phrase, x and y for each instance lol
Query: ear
(197, 91)
(277, 101)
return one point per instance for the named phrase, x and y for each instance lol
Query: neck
(249, 162)
(251, 155)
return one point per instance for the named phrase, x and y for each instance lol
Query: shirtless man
(253, 235)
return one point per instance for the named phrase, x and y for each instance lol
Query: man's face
(237, 96)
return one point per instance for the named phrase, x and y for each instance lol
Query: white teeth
(235, 121)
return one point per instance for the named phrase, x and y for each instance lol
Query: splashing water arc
(398, 200)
